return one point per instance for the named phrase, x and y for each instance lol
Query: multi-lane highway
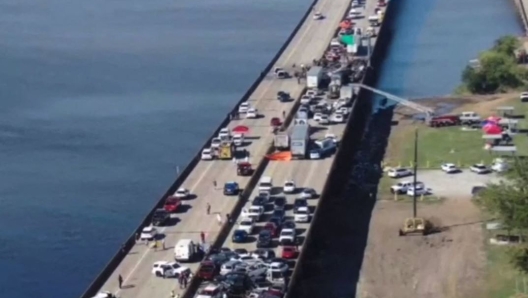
(309, 43)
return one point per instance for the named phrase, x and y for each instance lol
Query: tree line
(498, 70)
(507, 202)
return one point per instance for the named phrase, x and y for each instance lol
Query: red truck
(447, 120)
(172, 204)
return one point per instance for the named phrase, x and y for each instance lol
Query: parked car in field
(399, 172)
(479, 169)
(450, 168)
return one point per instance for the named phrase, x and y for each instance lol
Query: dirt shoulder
(448, 264)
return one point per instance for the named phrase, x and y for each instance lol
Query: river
(101, 102)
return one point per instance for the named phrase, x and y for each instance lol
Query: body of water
(101, 101)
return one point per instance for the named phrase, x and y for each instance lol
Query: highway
(306, 174)
(310, 43)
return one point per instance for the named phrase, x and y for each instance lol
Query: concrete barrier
(118, 257)
(342, 164)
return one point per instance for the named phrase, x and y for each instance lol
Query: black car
(299, 203)
(236, 283)
(276, 221)
(264, 239)
(278, 214)
(160, 217)
(260, 201)
(279, 203)
(283, 96)
(288, 225)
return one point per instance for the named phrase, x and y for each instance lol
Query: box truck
(314, 77)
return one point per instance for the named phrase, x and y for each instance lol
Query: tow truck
(244, 169)
(225, 151)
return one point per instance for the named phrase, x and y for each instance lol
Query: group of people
(184, 279)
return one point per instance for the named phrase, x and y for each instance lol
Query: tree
(507, 45)
(508, 201)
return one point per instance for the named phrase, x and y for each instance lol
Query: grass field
(451, 144)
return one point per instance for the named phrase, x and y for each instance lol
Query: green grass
(452, 144)
(502, 280)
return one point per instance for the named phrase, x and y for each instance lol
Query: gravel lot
(453, 186)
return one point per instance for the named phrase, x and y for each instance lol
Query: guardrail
(110, 267)
(341, 166)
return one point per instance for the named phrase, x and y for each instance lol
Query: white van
(185, 250)
(265, 184)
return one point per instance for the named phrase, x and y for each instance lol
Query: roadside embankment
(311, 277)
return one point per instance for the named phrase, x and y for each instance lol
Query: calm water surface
(101, 100)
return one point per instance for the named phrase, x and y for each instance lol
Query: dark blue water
(434, 40)
(100, 101)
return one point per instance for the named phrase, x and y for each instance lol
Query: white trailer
(346, 92)
(314, 77)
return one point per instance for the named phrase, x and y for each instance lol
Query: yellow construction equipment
(225, 151)
(415, 226)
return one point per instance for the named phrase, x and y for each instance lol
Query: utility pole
(369, 50)
(415, 170)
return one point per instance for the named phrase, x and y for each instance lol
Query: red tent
(492, 129)
(241, 129)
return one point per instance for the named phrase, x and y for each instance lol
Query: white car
(168, 269)
(104, 295)
(306, 100)
(324, 120)
(523, 95)
(252, 113)
(311, 93)
(317, 117)
(318, 16)
(399, 172)
(287, 235)
(343, 111)
(211, 291)
(479, 168)
(243, 108)
(278, 267)
(238, 139)
(148, 233)
(315, 154)
(247, 224)
(224, 133)
(182, 193)
(216, 142)
(419, 191)
(403, 186)
(207, 154)
(337, 118)
(449, 168)
(302, 214)
(308, 193)
(339, 103)
(289, 186)
(253, 212)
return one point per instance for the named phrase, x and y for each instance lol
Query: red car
(290, 252)
(275, 122)
(208, 270)
(172, 204)
(272, 227)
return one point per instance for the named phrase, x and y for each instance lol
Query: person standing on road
(228, 217)
(283, 114)
(208, 208)
(163, 243)
(219, 219)
(202, 236)
(172, 294)
(214, 184)
(120, 280)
